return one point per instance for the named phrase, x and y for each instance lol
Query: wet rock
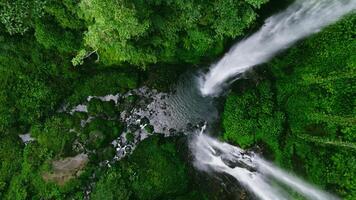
(128, 149)
(120, 152)
(172, 131)
(26, 138)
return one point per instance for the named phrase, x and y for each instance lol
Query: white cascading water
(250, 170)
(280, 31)
(302, 18)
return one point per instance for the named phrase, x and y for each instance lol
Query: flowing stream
(194, 102)
(279, 32)
(263, 179)
(253, 172)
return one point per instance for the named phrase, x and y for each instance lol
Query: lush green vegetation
(301, 109)
(146, 32)
(154, 166)
(60, 52)
(42, 41)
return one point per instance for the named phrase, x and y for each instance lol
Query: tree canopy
(147, 32)
(302, 109)
(299, 108)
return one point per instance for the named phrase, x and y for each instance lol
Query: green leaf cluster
(153, 171)
(147, 32)
(305, 108)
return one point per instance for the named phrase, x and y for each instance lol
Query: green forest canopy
(300, 108)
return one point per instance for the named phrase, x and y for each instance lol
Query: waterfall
(260, 177)
(250, 170)
(280, 31)
(188, 106)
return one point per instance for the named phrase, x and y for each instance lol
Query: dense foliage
(54, 54)
(154, 166)
(42, 40)
(301, 110)
(145, 32)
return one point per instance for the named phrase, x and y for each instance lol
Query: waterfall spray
(280, 31)
(187, 107)
(250, 170)
(302, 18)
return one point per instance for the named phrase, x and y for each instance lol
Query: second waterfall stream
(301, 19)
(253, 172)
